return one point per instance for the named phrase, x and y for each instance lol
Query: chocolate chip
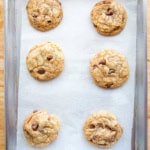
(109, 128)
(109, 12)
(49, 58)
(108, 85)
(35, 127)
(102, 62)
(34, 16)
(94, 25)
(95, 66)
(111, 71)
(105, 2)
(41, 71)
(35, 111)
(60, 3)
(91, 126)
(49, 21)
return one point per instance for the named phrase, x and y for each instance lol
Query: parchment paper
(73, 95)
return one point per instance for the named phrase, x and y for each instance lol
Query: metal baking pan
(12, 57)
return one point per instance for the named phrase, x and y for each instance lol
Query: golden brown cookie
(40, 128)
(44, 14)
(45, 61)
(109, 17)
(109, 69)
(102, 129)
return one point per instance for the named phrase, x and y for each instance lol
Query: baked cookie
(109, 69)
(44, 14)
(45, 61)
(40, 128)
(102, 129)
(109, 17)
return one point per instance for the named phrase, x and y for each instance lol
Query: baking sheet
(73, 95)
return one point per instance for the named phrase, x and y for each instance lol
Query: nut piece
(102, 129)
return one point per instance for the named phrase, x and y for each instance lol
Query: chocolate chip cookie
(45, 61)
(102, 129)
(40, 128)
(44, 14)
(109, 69)
(109, 17)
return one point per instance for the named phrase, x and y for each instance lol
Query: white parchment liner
(73, 95)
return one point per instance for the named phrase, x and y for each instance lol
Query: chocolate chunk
(111, 71)
(104, 2)
(41, 71)
(109, 128)
(35, 127)
(60, 3)
(95, 66)
(91, 126)
(102, 62)
(49, 58)
(34, 16)
(35, 111)
(109, 12)
(108, 85)
(49, 21)
(94, 25)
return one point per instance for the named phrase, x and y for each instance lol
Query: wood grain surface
(1, 78)
(2, 75)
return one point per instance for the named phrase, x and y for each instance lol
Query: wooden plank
(1, 79)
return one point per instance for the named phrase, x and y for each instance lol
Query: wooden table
(2, 77)
(1, 80)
